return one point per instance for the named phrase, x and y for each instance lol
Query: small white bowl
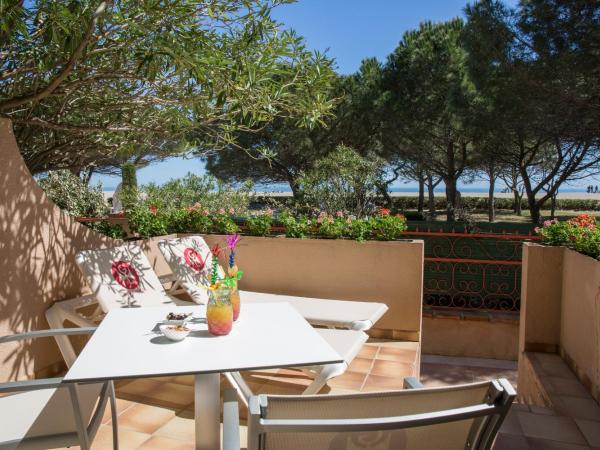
(175, 322)
(172, 334)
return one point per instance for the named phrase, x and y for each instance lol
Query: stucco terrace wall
(387, 272)
(485, 336)
(580, 318)
(560, 313)
(38, 243)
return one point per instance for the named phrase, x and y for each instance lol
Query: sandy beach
(561, 195)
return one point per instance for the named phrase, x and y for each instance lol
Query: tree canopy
(95, 83)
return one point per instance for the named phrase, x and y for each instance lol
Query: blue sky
(349, 30)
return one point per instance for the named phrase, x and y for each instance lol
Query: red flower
(153, 209)
(384, 212)
(583, 221)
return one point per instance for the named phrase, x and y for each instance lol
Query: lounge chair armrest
(46, 333)
(30, 385)
(231, 421)
(412, 383)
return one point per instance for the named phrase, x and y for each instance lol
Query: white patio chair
(99, 265)
(449, 418)
(190, 260)
(47, 413)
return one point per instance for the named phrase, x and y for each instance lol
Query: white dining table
(128, 344)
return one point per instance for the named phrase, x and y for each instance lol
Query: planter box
(560, 311)
(387, 272)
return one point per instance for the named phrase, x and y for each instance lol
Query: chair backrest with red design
(122, 276)
(190, 260)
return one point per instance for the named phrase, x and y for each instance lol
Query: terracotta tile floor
(158, 413)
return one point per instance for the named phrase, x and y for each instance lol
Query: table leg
(207, 402)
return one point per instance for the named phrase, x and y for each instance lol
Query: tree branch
(64, 73)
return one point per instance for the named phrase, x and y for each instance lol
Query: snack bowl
(177, 319)
(175, 332)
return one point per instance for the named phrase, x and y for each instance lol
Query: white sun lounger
(123, 274)
(190, 260)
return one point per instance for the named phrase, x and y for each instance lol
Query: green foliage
(387, 227)
(199, 221)
(147, 222)
(129, 176)
(332, 227)
(296, 227)
(202, 192)
(260, 225)
(129, 188)
(223, 223)
(72, 195)
(342, 181)
(111, 230)
(580, 233)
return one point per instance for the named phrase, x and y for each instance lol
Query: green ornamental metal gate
(472, 267)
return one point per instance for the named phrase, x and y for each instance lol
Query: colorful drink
(219, 312)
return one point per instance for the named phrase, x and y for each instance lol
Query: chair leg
(84, 440)
(238, 383)
(113, 414)
(325, 374)
(55, 320)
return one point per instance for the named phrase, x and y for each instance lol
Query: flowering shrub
(387, 227)
(147, 221)
(260, 225)
(194, 189)
(223, 221)
(72, 195)
(296, 227)
(332, 227)
(580, 233)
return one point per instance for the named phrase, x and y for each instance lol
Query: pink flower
(536, 230)
(340, 213)
(269, 212)
(221, 211)
(206, 211)
(231, 211)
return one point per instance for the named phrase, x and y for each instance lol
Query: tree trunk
(491, 202)
(431, 196)
(421, 201)
(534, 210)
(295, 187)
(552, 206)
(451, 196)
(518, 199)
(87, 177)
(382, 188)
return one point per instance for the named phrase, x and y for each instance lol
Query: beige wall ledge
(560, 313)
